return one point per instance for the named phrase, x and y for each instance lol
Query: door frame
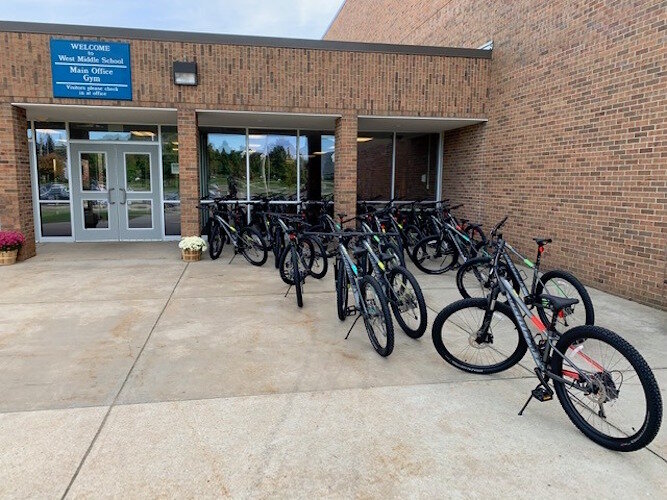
(116, 170)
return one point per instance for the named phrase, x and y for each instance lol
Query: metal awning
(413, 123)
(134, 115)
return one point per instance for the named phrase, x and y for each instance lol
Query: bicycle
(474, 279)
(399, 285)
(369, 299)
(247, 241)
(303, 255)
(485, 335)
(440, 252)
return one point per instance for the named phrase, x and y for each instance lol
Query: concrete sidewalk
(126, 372)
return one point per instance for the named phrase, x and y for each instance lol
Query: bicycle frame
(352, 275)
(549, 335)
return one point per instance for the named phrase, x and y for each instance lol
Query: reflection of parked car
(54, 191)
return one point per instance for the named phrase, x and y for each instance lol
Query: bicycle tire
(546, 314)
(485, 262)
(251, 237)
(342, 291)
(476, 304)
(653, 417)
(365, 283)
(421, 248)
(414, 333)
(319, 251)
(216, 241)
(297, 276)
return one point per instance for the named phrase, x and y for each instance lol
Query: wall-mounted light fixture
(185, 73)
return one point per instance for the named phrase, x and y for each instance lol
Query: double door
(116, 192)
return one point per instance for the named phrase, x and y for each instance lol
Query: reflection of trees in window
(273, 166)
(170, 172)
(227, 171)
(52, 164)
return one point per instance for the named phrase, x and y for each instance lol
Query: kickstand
(355, 322)
(288, 289)
(524, 406)
(233, 257)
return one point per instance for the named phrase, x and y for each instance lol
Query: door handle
(124, 196)
(109, 197)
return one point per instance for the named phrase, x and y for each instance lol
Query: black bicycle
(369, 299)
(475, 278)
(604, 385)
(222, 225)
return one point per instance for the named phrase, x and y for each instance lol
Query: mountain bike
(369, 300)
(603, 384)
(302, 256)
(475, 278)
(440, 252)
(399, 285)
(220, 227)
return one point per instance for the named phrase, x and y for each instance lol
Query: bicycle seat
(558, 303)
(542, 241)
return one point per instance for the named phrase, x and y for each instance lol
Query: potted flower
(191, 248)
(10, 243)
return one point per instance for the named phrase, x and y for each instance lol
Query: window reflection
(316, 151)
(112, 132)
(172, 219)
(416, 166)
(170, 170)
(226, 164)
(374, 154)
(272, 164)
(51, 148)
(55, 219)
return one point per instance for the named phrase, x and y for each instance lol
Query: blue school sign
(91, 69)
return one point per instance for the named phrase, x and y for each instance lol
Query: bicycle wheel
(618, 405)
(435, 255)
(563, 284)
(216, 241)
(297, 276)
(252, 246)
(278, 245)
(318, 260)
(474, 277)
(458, 338)
(342, 290)
(377, 317)
(407, 302)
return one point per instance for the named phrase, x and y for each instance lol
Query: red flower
(11, 240)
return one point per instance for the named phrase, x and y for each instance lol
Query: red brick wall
(188, 162)
(268, 79)
(345, 178)
(576, 141)
(15, 189)
(374, 168)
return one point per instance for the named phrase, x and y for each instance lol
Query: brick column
(15, 189)
(188, 165)
(345, 167)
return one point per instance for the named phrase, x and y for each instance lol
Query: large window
(273, 164)
(316, 152)
(272, 161)
(170, 181)
(374, 160)
(226, 164)
(53, 179)
(416, 171)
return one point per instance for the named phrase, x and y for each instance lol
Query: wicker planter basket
(8, 257)
(191, 255)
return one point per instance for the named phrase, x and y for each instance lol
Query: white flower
(192, 243)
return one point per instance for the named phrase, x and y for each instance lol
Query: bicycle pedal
(351, 311)
(543, 394)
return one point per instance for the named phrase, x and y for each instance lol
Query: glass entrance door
(116, 192)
